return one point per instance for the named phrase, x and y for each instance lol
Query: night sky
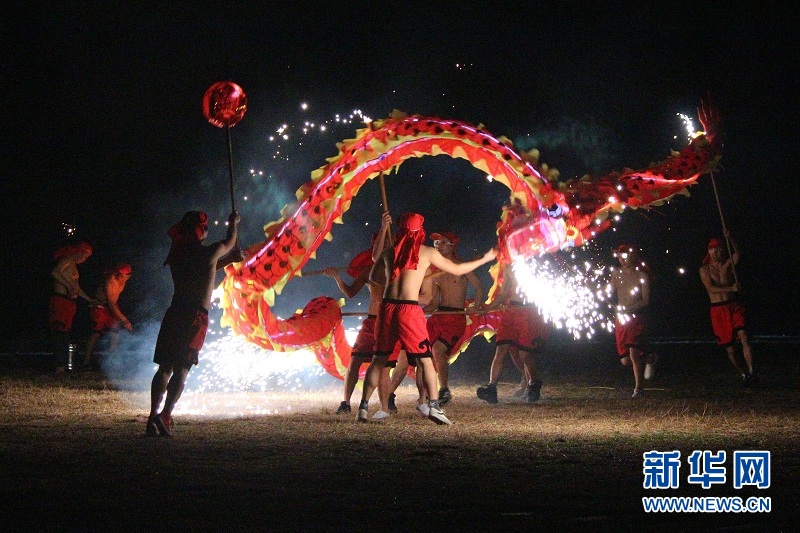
(103, 131)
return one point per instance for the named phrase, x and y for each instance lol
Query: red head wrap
(362, 262)
(410, 235)
(82, 247)
(713, 243)
(190, 229)
(120, 268)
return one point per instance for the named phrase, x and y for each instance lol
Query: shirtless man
(400, 317)
(521, 333)
(364, 346)
(193, 267)
(449, 294)
(727, 312)
(630, 285)
(63, 304)
(106, 315)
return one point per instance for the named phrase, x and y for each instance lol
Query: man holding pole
(718, 274)
(183, 330)
(400, 317)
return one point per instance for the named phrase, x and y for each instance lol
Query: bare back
(407, 284)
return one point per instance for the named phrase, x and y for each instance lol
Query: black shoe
(344, 407)
(533, 393)
(444, 396)
(750, 380)
(488, 393)
(392, 406)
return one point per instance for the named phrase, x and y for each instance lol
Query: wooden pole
(230, 167)
(385, 202)
(724, 227)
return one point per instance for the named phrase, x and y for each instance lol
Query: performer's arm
(227, 244)
(62, 275)
(113, 291)
(459, 269)
(351, 289)
(712, 287)
(380, 241)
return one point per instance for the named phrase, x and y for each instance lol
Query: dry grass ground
(73, 456)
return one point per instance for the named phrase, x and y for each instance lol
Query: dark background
(103, 131)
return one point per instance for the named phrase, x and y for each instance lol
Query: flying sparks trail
(234, 371)
(571, 297)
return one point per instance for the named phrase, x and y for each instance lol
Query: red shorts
(631, 334)
(402, 321)
(61, 312)
(445, 328)
(727, 318)
(365, 341)
(102, 319)
(522, 327)
(182, 334)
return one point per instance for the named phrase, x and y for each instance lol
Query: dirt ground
(73, 455)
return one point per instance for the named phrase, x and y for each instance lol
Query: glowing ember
(569, 297)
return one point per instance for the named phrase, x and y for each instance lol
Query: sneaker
(163, 424)
(436, 414)
(650, 367)
(424, 408)
(392, 406)
(444, 396)
(488, 393)
(380, 415)
(534, 391)
(638, 393)
(363, 415)
(344, 407)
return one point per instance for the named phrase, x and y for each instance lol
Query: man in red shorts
(400, 317)
(522, 333)
(727, 312)
(63, 304)
(193, 267)
(630, 287)
(364, 346)
(107, 316)
(448, 296)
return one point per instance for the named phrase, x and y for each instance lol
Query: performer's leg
(90, 345)
(425, 365)
(174, 389)
(158, 387)
(731, 351)
(441, 360)
(351, 376)
(399, 372)
(371, 379)
(498, 362)
(747, 353)
(637, 361)
(384, 382)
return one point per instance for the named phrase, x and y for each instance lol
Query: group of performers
(407, 279)
(105, 313)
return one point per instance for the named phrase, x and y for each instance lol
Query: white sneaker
(380, 415)
(424, 409)
(438, 416)
(363, 415)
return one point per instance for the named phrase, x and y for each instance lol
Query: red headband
(410, 236)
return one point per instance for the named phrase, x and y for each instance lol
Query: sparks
(570, 298)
